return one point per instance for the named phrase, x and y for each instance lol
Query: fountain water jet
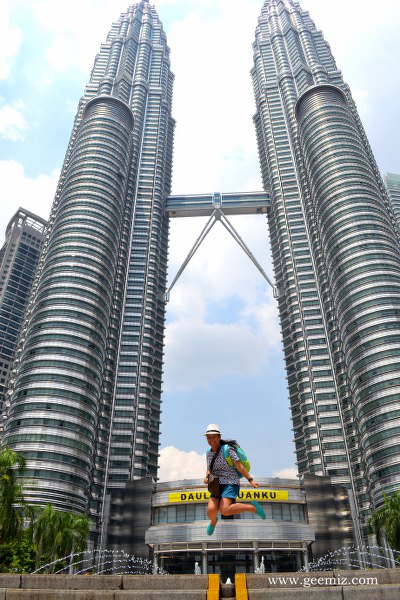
(261, 568)
(104, 562)
(356, 557)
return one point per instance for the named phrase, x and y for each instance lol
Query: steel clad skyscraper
(18, 261)
(392, 182)
(336, 258)
(85, 404)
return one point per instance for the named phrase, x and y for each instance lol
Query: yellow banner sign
(254, 494)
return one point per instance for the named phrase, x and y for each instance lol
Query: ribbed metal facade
(85, 404)
(335, 248)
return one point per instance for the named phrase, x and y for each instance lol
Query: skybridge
(200, 205)
(217, 206)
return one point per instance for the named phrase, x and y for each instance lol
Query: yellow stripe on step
(241, 587)
(213, 587)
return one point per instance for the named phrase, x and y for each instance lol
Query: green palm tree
(72, 535)
(44, 533)
(12, 503)
(58, 534)
(386, 521)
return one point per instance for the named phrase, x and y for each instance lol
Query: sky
(223, 353)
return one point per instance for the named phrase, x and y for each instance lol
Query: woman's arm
(207, 476)
(239, 467)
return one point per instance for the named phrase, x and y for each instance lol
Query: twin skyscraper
(83, 404)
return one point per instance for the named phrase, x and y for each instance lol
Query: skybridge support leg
(207, 228)
(230, 228)
(218, 215)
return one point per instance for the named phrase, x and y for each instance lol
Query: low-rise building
(168, 521)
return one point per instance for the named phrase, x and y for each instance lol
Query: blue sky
(223, 357)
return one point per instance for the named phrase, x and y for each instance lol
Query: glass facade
(335, 246)
(198, 512)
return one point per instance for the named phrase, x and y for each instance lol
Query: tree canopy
(386, 521)
(31, 537)
(12, 501)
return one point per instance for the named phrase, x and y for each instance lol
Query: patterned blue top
(221, 468)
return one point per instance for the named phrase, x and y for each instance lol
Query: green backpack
(239, 451)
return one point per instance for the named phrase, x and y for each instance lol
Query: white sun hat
(212, 428)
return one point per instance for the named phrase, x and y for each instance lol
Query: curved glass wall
(54, 414)
(350, 211)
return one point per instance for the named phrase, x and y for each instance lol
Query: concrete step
(379, 591)
(382, 584)
(38, 594)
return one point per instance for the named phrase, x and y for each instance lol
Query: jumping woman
(229, 481)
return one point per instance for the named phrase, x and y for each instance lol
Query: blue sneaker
(259, 509)
(211, 528)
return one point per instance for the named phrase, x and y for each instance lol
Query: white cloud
(12, 121)
(363, 13)
(71, 42)
(220, 268)
(177, 464)
(199, 353)
(19, 190)
(215, 112)
(10, 39)
(222, 317)
(288, 473)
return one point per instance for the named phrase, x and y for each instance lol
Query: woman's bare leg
(227, 507)
(212, 510)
